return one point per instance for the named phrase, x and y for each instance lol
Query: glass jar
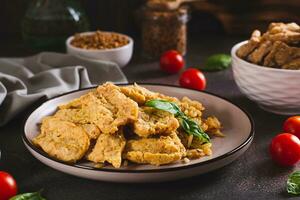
(164, 30)
(47, 23)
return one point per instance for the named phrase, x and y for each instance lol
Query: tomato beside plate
(285, 149)
(292, 125)
(192, 78)
(8, 186)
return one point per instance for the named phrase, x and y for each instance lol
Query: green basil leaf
(164, 105)
(217, 62)
(293, 183)
(192, 128)
(28, 196)
(184, 124)
(188, 125)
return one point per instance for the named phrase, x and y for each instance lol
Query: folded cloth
(23, 81)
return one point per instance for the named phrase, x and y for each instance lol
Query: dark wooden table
(252, 176)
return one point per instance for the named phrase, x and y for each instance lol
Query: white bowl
(275, 90)
(120, 55)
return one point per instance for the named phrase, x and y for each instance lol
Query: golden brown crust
(62, 140)
(287, 33)
(155, 151)
(194, 153)
(106, 107)
(260, 52)
(245, 50)
(101, 115)
(214, 126)
(281, 54)
(92, 130)
(278, 47)
(141, 95)
(154, 122)
(108, 148)
(294, 64)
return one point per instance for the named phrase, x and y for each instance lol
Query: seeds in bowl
(164, 30)
(99, 40)
(278, 47)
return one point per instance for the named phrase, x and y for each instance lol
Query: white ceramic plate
(238, 128)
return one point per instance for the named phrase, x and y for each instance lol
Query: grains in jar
(164, 30)
(99, 40)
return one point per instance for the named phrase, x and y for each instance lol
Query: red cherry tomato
(292, 125)
(285, 149)
(171, 61)
(8, 186)
(192, 78)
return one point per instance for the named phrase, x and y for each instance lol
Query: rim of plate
(233, 151)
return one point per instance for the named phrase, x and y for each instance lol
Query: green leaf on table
(188, 125)
(217, 62)
(164, 105)
(293, 183)
(28, 196)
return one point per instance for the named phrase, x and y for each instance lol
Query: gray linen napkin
(23, 81)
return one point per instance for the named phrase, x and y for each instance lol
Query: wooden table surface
(252, 176)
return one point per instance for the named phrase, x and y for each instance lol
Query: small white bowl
(275, 90)
(120, 55)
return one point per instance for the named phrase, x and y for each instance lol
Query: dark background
(219, 16)
(215, 27)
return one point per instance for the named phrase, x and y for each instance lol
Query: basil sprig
(164, 105)
(188, 125)
(28, 196)
(293, 183)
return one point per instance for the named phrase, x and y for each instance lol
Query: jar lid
(180, 14)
